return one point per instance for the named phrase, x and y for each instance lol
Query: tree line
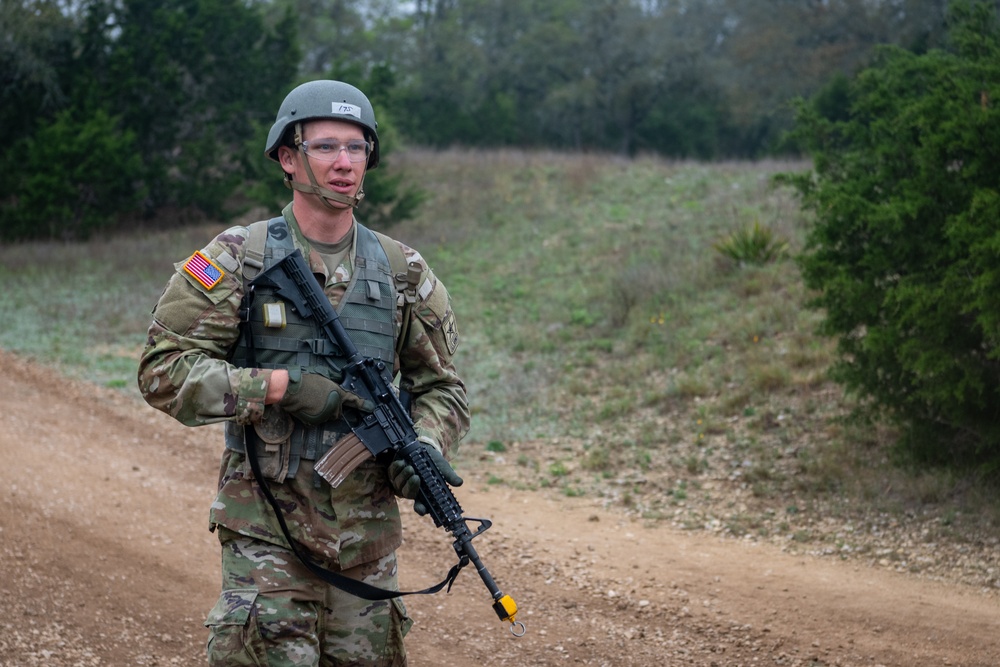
(128, 108)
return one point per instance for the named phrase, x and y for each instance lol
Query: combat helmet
(318, 100)
(333, 100)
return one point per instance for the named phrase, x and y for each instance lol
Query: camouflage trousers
(273, 612)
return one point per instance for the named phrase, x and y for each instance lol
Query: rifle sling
(353, 586)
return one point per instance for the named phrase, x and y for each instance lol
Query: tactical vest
(274, 336)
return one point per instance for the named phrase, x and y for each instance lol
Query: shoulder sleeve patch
(204, 270)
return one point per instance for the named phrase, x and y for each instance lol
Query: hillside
(613, 355)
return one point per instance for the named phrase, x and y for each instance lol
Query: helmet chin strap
(325, 195)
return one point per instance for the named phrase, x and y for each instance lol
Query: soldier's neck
(324, 225)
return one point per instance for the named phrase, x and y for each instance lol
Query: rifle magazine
(341, 460)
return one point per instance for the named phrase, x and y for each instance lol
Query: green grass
(595, 308)
(85, 307)
(593, 276)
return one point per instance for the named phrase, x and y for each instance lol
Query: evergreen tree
(905, 252)
(174, 87)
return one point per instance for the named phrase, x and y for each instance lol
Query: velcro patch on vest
(204, 270)
(274, 315)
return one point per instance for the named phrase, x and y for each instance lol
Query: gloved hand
(406, 482)
(314, 399)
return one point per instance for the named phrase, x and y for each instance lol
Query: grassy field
(612, 343)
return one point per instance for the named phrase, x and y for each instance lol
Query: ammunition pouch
(282, 442)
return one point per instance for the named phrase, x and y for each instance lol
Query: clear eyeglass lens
(329, 150)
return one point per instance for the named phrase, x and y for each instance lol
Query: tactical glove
(314, 399)
(406, 482)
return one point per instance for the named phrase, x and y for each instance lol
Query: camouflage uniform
(184, 372)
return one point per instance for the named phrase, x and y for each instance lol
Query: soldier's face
(335, 169)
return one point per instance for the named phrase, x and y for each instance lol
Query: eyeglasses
(329, 150)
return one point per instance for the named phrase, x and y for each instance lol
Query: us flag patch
(204, 270)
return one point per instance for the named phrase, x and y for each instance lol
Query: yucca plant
(752, 244)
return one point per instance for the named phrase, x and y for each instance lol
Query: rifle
(386, 431)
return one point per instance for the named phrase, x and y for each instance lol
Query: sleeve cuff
(429, 441)
(250, 394)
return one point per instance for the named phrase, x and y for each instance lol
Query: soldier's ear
(287, 159)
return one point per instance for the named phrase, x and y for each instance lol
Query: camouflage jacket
(184, 372)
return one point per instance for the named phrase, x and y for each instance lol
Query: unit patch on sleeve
(451, 332)
(204, 270)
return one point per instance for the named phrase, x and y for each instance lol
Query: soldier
(214, 354)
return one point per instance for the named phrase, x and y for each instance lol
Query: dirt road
(107, 560)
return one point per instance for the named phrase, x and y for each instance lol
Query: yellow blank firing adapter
(506, 609)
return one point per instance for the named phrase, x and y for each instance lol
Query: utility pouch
(273, 441)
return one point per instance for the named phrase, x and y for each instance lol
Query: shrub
(77, 177)
(752, 244)
(904, 252)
